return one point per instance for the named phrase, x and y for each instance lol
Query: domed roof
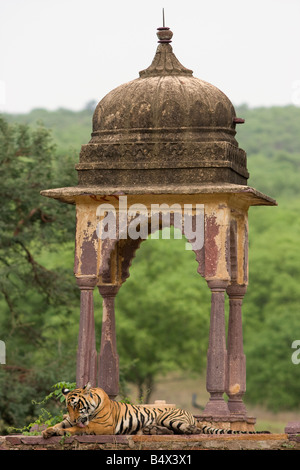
(177, 127)
(166, 96)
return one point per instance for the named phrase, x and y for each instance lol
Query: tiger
(91, 411)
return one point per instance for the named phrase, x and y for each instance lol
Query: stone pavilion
(166, 139)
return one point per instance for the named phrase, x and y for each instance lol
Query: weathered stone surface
(165, 127)
(246, 194)
(293, 430)
(165, 132)
(293, 427)
(166, 442)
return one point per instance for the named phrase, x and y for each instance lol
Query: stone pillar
(86, 370)
(108, 374)
(217, 354)
(236, 363)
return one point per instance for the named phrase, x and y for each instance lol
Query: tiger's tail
(211, 430)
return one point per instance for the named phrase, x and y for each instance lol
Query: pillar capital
(217, 285)
(236, 291)
(86, 282)
(109, 290)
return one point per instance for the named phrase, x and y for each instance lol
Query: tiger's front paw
(153, 429)
(52, 431)
(191, 429)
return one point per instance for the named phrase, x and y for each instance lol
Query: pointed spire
(164, 34)
(165, 62)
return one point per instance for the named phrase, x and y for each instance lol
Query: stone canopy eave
(247, 194)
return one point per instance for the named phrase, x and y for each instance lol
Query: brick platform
(165, 442)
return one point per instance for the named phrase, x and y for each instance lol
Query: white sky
(64, 53)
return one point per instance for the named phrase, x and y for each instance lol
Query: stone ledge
(69, 194)
(164, 442)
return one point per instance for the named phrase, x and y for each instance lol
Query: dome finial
(165, 62)
(164, 33)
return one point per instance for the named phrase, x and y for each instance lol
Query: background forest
(163, 308)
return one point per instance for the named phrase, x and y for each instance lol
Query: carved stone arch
(117, 254)
(116, 257)
(128, 249)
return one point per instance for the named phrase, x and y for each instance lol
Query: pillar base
(233, 423)
(237, 407)
(216, 406)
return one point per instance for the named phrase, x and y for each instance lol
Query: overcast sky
(64, 53)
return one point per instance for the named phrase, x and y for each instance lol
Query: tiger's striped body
(91, 411)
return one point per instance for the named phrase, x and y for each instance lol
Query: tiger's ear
(65, 391)
(87, 387)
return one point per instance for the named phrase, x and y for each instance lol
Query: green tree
(272, 306)
(30, 292)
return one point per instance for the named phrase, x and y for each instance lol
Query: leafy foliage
(45, 417)
(30, 293)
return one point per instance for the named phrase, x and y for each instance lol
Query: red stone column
(86, 353)
(217, 354)
(236, 372)
(108, 374)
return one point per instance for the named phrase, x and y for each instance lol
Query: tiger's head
(84, 403)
